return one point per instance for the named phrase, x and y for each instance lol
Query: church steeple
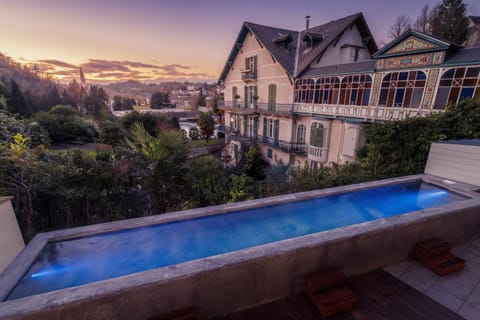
(83, 83)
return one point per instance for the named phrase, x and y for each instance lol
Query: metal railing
(283, 145)
(259, 107)
(249, 75)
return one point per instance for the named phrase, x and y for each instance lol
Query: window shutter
(246, 64)
(255, 64)
(234, 96)
(264, 138)
(272, 96)
(245, 125)
(255, 128)
(276, 127)
(245, 100)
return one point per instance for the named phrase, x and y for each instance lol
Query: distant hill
(26, 77)
(34, 87)
(134, 88)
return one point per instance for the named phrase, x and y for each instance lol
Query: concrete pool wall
(225, 283)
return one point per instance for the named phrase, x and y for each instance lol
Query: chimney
(308, 23)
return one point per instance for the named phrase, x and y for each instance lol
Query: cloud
(58, 63)
(104, 70)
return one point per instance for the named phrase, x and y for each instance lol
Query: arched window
(456, 85)
(304, 90)
(317, 134)
(355, 90)
(301, 130)
(326, 90)
(402, 89)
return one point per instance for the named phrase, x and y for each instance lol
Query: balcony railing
(238, 105)
(259, 107)
(249, 75)
(317, 154)
(361, 112)
(283, 145)
(278, 108)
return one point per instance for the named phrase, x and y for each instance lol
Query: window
(456, 85)
(304, 89)
(250, 97)
(272, 97)
(326, 90)
(251, 64)
(301, 131)
(234, 96)
(269, 153)
(402, 89)
(317, 134)
(270, 128)
(355, 56)
(355, 90)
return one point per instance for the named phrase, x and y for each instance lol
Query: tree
(450, 21)
(123, 103)
(207, 181)
(16, 102)
(111, 133)
(255, 163)
(401, 24)
(206, 124)
(165, 157)
(53, 97)
(96, 103)
(160, 100)
(423, 23)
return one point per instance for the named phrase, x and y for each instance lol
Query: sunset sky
(154, 40)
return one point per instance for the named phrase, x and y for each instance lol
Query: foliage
(16, 102)
(450, 21)
(160, 100)
(64, 124)
(153, 122)
(193, 133)
(206, 124)
(242, 188)
(123, 103)
(165, 155)
(207, 181)
(401, 24)
(255, 164)
(111, 133)
(95, 103)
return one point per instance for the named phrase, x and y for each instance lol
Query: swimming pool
(73, 262)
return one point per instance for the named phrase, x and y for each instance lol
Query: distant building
(303, 96)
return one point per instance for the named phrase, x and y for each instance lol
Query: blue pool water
(79, 261)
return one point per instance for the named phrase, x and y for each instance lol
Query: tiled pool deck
(460, 292)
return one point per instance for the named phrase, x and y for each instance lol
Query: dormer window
(283, 41)
(311, 38)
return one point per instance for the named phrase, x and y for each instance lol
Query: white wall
(11, 241)
(455, 161)
(337, 55)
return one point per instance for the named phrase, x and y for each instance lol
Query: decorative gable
(411, 44)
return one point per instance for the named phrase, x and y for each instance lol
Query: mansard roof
(297, 55)
(345, 68)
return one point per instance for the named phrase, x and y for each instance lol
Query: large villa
(303, 96)
(410, 246)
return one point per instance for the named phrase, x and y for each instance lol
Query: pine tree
(450, 21)
(17, 103)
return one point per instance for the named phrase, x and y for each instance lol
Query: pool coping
(16, 270)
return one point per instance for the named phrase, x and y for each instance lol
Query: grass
(203, 143)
